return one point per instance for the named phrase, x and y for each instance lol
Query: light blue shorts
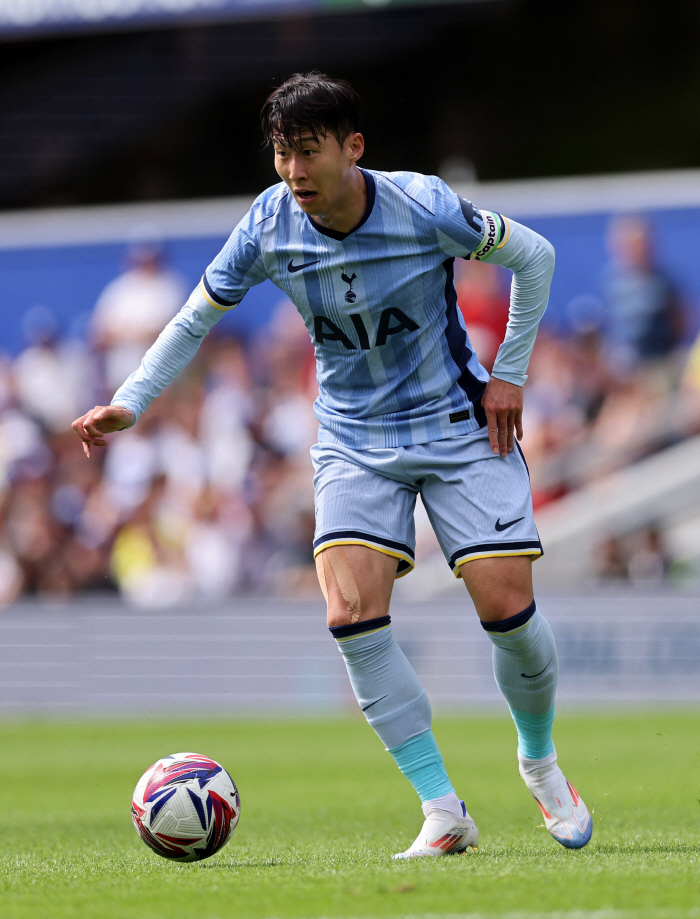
(479, 503)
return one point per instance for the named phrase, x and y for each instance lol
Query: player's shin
(525, 666)
(396, 706)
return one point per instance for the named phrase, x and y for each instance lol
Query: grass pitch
(323, 809)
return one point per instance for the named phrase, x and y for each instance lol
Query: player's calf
(385, 684)
(526, 669)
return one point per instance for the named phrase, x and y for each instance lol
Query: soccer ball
(185, 807)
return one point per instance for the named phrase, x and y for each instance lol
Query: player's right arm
(466, 232)
(101, 420)
(531, 259)
(236, 269)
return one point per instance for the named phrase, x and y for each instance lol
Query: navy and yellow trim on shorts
(494, 550)
(216, 300)
(398, 550)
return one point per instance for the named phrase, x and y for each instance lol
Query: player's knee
(339, 587)
(342, 612)
(337, 615)
(348, 601)
(500, 587)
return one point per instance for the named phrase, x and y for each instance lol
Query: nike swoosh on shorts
(504, 526)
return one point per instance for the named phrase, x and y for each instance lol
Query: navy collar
(371, 195)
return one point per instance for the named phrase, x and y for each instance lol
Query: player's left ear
(355, 146)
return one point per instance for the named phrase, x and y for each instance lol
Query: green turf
(323, 808)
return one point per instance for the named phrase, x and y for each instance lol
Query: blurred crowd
(623, 382)
(211, 493)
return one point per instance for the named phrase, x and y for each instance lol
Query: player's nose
(297, 168)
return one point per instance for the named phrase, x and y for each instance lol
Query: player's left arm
(531, 259)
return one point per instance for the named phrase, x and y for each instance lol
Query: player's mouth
(305, 195)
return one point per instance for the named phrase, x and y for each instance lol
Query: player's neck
(349, 207)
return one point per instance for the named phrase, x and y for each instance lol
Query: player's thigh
(480, 506)
(357, 582)
(365, 535)
(500, 586)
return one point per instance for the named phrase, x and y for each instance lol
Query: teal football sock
(394, 702)
(526, 668)
(420, 760)
(534, 733)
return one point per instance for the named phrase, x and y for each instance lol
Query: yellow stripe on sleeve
(217, 306)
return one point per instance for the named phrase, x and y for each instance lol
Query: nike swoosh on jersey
(504, 526)
(291, 267)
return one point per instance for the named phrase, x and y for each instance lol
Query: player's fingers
(93, 431)
(509, 437)
(492, 427)
(86, 450)
(89, 435)
(503, 434)
(81, 432)
(519, 425)
(78, 428)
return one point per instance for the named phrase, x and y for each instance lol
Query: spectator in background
(612, 563)
(227, 411)
(640, 556)
(483, 299)
(645, 318)
(690, 388)
(52, 377)
(133, 309)
(287, 424)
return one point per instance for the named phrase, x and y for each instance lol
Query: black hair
(310, 102)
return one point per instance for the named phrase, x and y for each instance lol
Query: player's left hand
(503, 404)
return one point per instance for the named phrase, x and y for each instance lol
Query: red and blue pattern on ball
(214, 812)
(199, 768)
(166, 846)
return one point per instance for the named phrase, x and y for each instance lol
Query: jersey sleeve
(531, 259)
(459, 225)
(238, 267)
(172, 351)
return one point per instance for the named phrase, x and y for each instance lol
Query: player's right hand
(101, 420)
(503, 405)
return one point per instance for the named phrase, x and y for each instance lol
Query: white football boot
(565, 815)
(443, 834)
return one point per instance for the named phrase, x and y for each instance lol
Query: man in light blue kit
(404, 408)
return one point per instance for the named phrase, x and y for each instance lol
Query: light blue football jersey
(394, 362)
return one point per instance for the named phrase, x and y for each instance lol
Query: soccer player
(404, 407)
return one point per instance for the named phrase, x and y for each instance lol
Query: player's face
(319, 172)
